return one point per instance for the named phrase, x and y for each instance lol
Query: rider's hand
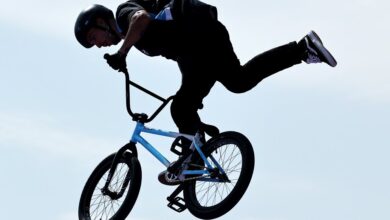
(117, 61)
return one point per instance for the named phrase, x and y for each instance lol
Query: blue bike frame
(137, 138)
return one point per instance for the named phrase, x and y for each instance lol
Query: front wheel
(234, 153)
(97, 205)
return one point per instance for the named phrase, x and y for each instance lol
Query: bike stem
(128, 148)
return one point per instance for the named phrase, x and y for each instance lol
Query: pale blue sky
(320, 134)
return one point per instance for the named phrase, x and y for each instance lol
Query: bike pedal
(178, 204)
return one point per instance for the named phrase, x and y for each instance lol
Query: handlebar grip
(123, 70)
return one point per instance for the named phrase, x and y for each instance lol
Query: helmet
(87, 19)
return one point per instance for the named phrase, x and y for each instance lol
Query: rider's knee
(236, 87)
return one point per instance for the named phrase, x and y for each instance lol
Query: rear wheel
(234, 153)
(96, 205)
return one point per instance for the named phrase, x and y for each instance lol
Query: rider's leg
(196, 84)
(241, 78)
(184, 108)
(247, 76)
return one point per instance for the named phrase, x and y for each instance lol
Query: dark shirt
(160, 37)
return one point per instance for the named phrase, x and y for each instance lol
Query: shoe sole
(324, 53)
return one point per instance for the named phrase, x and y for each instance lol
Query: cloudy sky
(320, 134)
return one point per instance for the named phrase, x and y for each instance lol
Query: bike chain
(187, 179)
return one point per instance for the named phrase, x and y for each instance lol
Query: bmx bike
(213, 175)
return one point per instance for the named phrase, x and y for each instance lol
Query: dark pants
(208, 58)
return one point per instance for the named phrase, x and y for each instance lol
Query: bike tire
(223, 201)
(89, 210)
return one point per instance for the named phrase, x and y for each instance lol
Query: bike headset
(87, 19)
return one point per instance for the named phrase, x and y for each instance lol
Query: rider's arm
(137, 25)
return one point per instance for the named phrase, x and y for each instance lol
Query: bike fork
(127, 149)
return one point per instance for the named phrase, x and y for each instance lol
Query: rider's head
(96, 25)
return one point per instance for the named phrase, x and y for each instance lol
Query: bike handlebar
(142, 117)
(136, 116)
(209, 129)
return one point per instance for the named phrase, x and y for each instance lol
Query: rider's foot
(315, 52)
(172, 175)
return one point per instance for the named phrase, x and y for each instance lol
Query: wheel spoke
(228, 156)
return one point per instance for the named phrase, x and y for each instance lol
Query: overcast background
(320, 134)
